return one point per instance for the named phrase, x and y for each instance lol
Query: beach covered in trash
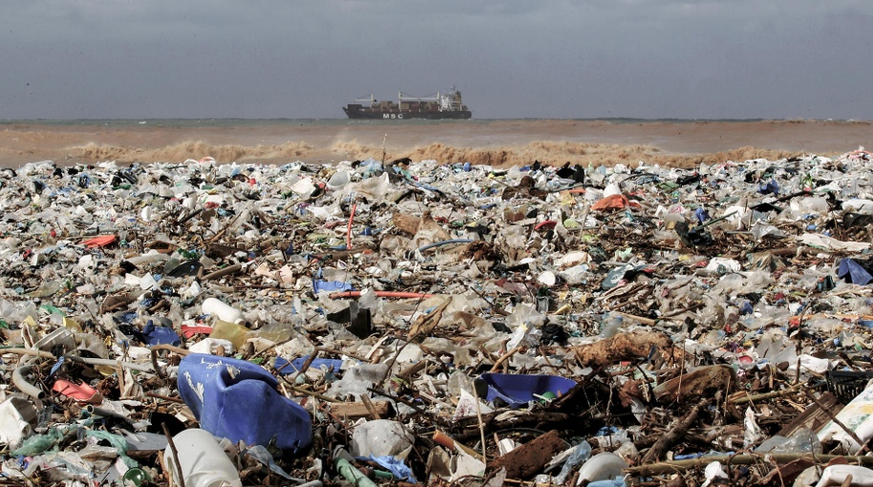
(399, 322)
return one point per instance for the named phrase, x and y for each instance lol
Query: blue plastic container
(238, 400)
(518, 390)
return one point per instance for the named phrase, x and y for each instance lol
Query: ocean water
(329, 122)
(493, 142)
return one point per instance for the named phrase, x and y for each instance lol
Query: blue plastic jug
(238, 400)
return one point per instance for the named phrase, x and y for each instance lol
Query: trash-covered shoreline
(452, 324)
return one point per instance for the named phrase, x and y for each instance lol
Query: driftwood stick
(745, 397)
(502, 359)
(176, 459)
(233, 269)
(674, 435)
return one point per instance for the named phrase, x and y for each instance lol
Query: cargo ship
(440, 106)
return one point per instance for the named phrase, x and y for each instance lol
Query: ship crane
(408, 97)
(371, 99)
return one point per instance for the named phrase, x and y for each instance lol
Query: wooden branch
(674, 435)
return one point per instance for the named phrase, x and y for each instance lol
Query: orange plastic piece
(101, 241)
(81, 393)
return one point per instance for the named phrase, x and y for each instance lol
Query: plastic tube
(445, 242)
(546, 224)
(311, 483)
(22, 383)
(106, 413)
(110, 363)
(382, 294)
(26, 351)
(352, 474)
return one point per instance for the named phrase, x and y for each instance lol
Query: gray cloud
(511, 59)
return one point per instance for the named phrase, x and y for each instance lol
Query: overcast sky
(137, 59)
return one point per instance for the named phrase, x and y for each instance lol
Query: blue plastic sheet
(57, 366)
(285, 368)
(396, 467)
(616, 482)
(853, 272)
(772, 187)
(330, 286)
(518, 390)
(160, 335)
(238, 400)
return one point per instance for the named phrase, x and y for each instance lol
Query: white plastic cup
(612, 189)
(224, 312)
(603, 466)
(338, 180)
(202, 460)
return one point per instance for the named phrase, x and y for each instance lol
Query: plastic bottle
(458, 381)
(232, 332)
(222, 311)
(610, 325)
(380, 438)
(172, 263)
(580, 453)
(803, 440)
(275, 332)
(203, 462)
(148, 258)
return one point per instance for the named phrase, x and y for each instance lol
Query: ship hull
(434, 115)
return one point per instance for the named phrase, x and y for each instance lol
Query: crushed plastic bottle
(203, 462)
(222, 311)
(580, 454)
(610, 325)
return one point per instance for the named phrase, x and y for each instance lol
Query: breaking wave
(194, 150)
(495, 143)
(557, 153)
(547, 152)
(737, 155)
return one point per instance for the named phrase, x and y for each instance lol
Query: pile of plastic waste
(403, 322)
